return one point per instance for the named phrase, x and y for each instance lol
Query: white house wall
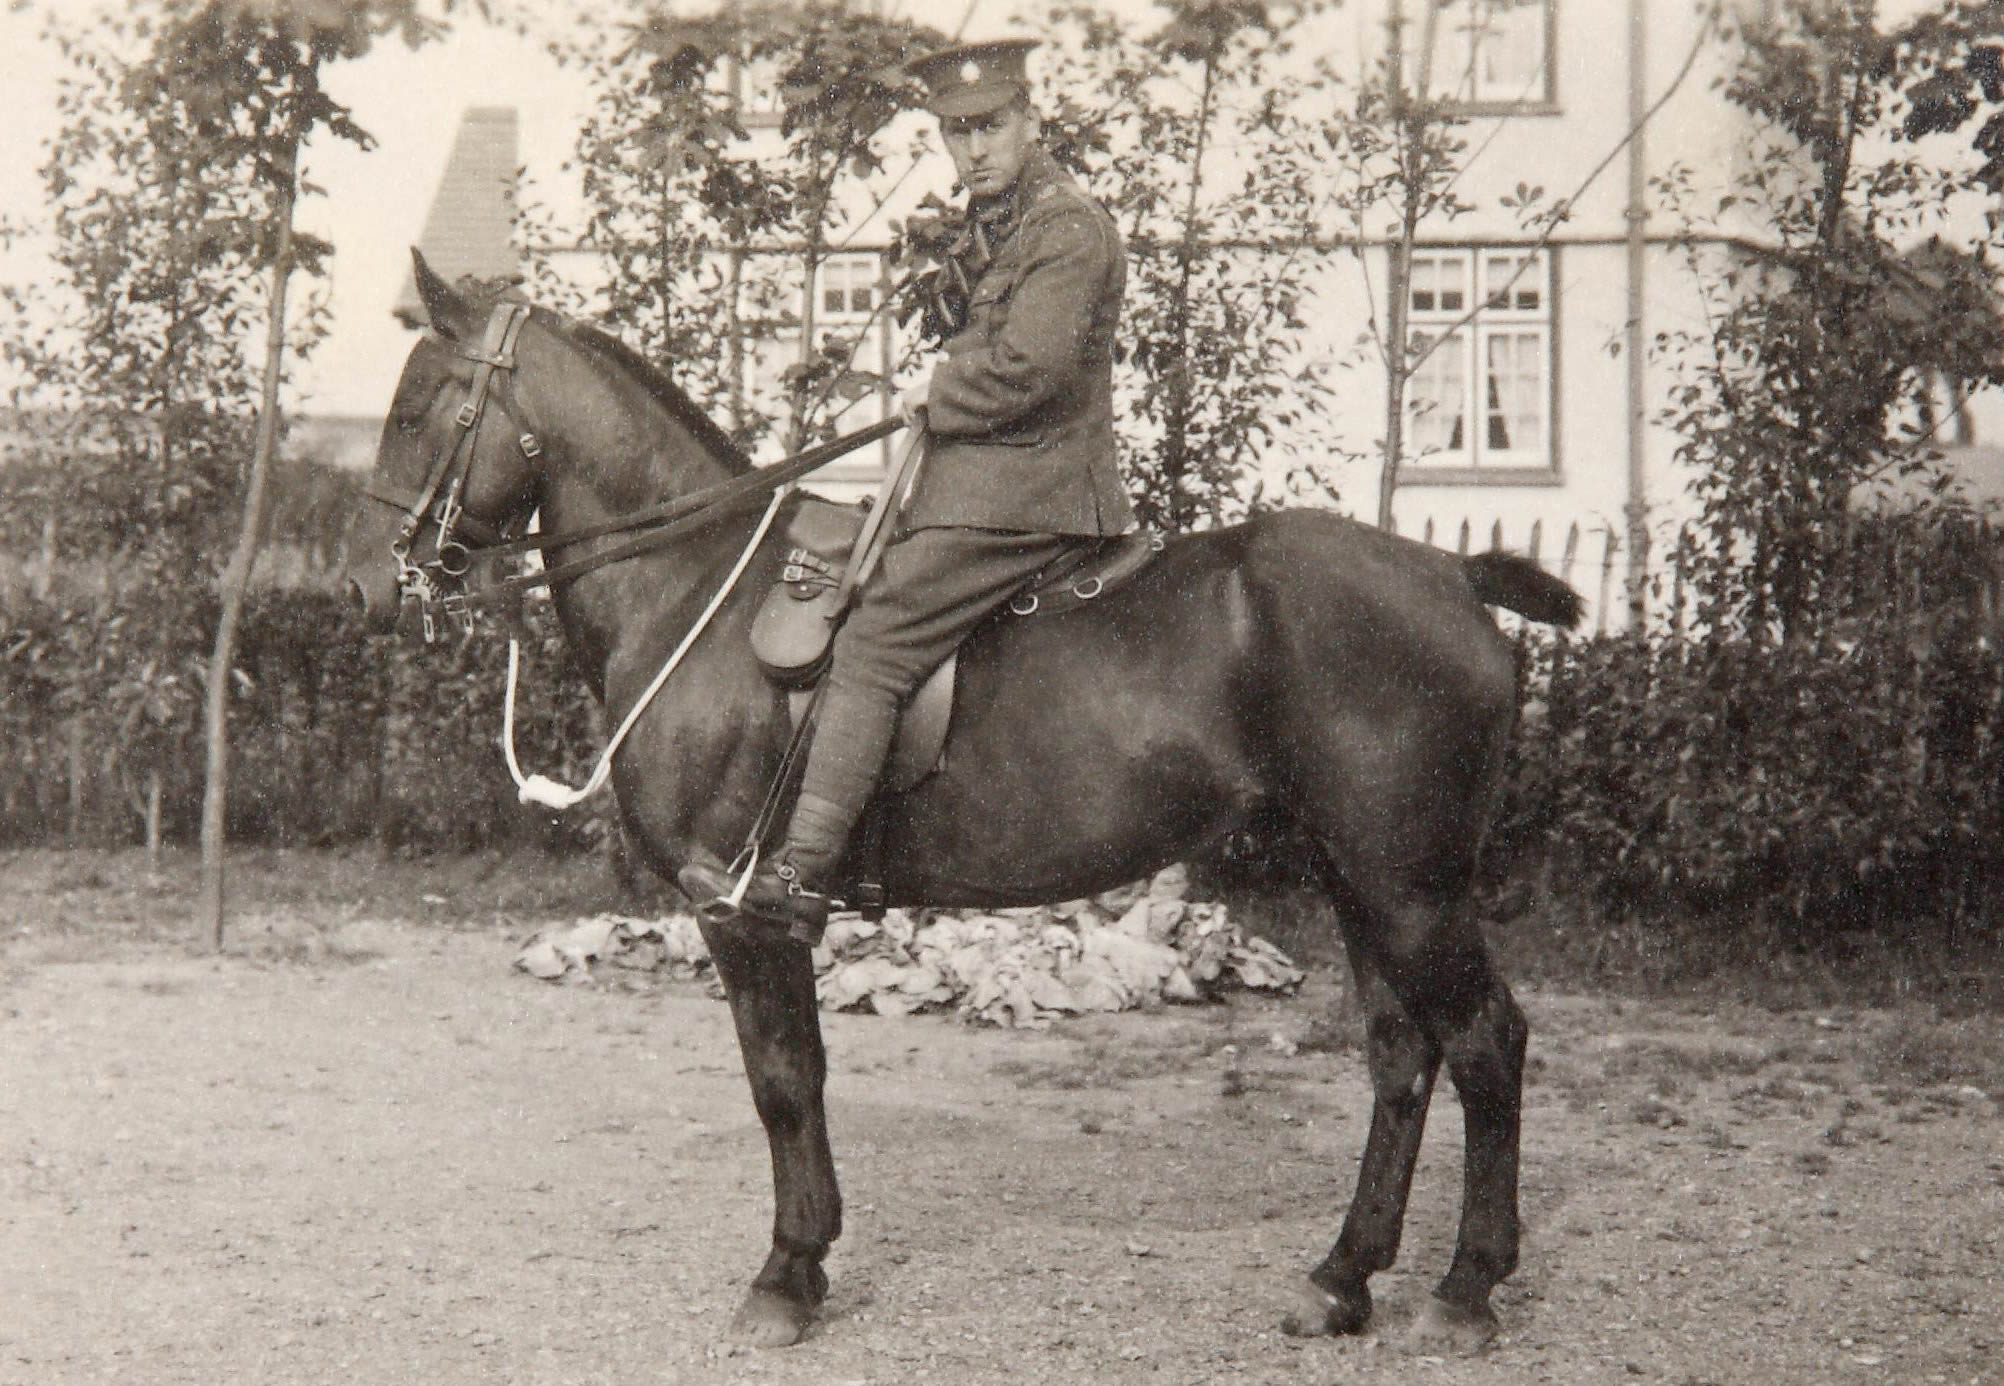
(1555, 146)
(1587, 493)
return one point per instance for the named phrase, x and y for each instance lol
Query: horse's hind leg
(1403, 1061)
(770, 983)
(1439, 966)
(1432, 994)
(1486, 1058)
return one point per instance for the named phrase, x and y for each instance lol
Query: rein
(439, 499)
(690, 514)
(541, 789)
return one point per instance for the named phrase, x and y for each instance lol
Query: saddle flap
(920, 743)
(918, 749)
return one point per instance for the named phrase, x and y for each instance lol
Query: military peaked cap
(974, 78)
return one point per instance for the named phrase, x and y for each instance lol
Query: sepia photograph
(861, 693)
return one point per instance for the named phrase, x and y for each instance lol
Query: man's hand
(911, 403)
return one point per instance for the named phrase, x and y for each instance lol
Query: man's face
(989, 149)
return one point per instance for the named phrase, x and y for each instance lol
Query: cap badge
(970, 71)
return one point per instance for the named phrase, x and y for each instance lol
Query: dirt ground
(360, 1149)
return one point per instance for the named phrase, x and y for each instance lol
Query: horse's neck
(595, 480)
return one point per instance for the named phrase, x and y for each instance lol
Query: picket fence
(1574, 563)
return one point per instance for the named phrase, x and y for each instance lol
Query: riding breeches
(931, 588)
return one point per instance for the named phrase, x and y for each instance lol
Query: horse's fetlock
(802, 1248)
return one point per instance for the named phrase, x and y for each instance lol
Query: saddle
(793, 635)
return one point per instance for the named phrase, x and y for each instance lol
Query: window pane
(1425, 283)
(1439, 283)
(1514, 391)
(1437, 400)
(1505, 288)
(1512, 51)
(1453, 53)
(849, 285)
(1487, 50)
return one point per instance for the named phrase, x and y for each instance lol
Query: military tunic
(1021, 410)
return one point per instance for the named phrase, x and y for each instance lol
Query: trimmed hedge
(337, 736)
(1849, 778)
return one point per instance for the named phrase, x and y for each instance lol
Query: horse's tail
(1517, 584)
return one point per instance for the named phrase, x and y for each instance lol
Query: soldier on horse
(1020, 470)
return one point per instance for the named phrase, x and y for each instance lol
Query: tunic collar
(998, 215)
(992, 220)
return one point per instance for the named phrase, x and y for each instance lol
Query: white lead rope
(540, 789)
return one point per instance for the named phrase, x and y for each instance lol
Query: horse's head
(458, 465)
(462, 461)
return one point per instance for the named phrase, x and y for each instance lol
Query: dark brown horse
(1298, 664)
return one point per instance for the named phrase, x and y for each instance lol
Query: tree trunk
(1182, 389)
(76, 777)
(44, 580)
(153, 796)
(1397, 367)
(797, 398)
(1412, 126)
(237, 576)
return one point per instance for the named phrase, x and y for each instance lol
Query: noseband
(438, 581)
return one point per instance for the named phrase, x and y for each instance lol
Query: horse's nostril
(358, 597)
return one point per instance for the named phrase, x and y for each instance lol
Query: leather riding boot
(843, 765)
(790, 888)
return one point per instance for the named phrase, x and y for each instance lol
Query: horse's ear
(451, 315)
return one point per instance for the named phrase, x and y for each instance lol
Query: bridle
(440, 581)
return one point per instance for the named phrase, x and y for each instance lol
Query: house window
(1488, 52)
(1481, 388)
(848, 288)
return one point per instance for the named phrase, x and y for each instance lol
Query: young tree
(242, 81)
(176, 182)
(1823, 346)
(135, 389)
(713, 235)
(1402, 144)
(1192, 132)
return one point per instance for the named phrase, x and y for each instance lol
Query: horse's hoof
(770, 1320)
(1317, 1313)
(1445, 1328)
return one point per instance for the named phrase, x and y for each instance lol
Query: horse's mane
(664, 391)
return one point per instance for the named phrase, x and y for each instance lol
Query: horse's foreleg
(1403, 1062)
(770, 982)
